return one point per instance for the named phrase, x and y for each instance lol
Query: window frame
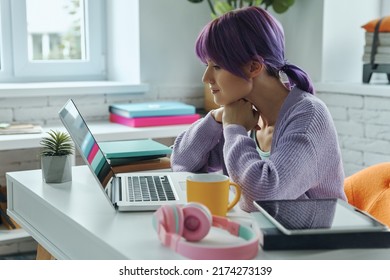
(6, 66)
(15, 47)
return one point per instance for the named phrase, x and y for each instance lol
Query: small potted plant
(56, 157)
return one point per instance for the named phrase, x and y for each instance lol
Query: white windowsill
(371, 89)
(69, 88)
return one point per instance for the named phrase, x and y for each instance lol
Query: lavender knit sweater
(305, 160)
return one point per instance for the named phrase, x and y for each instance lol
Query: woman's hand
(241, 112)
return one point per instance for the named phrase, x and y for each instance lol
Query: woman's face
(225, 86)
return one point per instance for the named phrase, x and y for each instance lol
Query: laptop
(135, 191)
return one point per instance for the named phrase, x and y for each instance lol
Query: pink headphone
(193, 221)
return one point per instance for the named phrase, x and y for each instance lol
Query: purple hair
(242, 35)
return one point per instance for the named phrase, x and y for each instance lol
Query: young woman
(271, 135)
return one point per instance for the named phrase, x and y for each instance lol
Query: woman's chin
(219, 102)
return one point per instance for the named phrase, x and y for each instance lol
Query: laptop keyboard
(150, 188)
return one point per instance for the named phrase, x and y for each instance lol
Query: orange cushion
(369, 190)
(384, 27)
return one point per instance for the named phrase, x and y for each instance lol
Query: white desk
(103, 131)
(74, 221)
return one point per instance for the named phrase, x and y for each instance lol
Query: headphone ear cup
(170, 217)
(157, 219)
(197, 221)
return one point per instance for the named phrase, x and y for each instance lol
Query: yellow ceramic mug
(212, 190)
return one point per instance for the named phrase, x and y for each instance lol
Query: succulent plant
(57, 144)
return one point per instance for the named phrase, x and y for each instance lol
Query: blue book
(151, 109)
(134, 149)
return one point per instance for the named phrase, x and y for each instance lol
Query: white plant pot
(56, 169)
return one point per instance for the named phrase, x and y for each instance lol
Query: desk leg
(42, 254)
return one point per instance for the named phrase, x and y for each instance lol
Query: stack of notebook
(382, 54)
(153, 113)
(133, 151)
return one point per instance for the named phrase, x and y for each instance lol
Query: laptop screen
(86, 143)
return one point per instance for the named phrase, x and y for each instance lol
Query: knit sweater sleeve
(199, 148)
(287, 174)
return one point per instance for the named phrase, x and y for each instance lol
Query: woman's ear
(254, 68)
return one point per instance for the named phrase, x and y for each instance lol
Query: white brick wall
(363, 126)
(27, 245)
(362, 122)
(44, 111)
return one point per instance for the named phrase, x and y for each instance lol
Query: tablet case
(273, 239)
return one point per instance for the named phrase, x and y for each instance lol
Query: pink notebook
(154, 121)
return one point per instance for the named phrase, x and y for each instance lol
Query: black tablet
(320, 216)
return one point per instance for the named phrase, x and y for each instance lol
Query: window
(52, 40)
(64, 38)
